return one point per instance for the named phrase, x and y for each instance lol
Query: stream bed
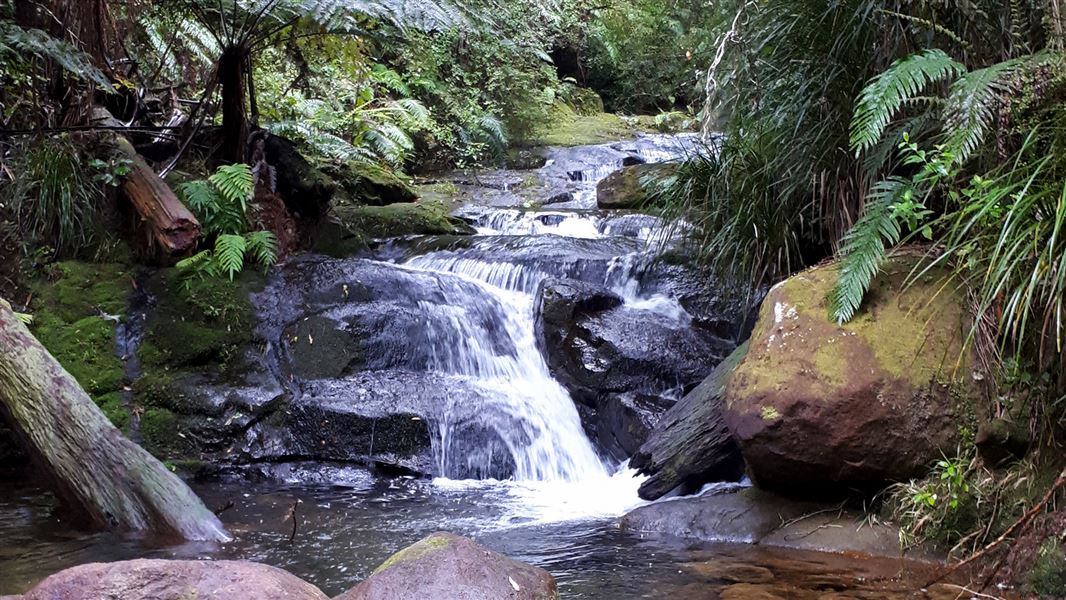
(438, 367)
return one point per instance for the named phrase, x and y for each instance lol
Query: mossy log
(93, 470)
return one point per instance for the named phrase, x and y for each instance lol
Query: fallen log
(95, 472)
(171, 225)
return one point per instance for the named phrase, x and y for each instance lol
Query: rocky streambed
(487, 367)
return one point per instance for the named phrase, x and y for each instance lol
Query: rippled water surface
(342, 534)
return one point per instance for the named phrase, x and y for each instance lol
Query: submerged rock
(146, 579)
(753, 516)
(448, 566)
(878, 399)
(625, 188)
(691, 445)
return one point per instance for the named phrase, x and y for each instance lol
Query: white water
(558, 474)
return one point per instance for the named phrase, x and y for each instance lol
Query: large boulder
(691, 444)
(625, 188)
(448, 566)
(876, 400)
(146, 579)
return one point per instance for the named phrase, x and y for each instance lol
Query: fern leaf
(864, 245)
(229, 253)
(968, 112)
(39, 43)
(234, 183)
(263, 245)
(889, 91)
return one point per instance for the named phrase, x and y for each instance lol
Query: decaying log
(168, 220)
(92, 468)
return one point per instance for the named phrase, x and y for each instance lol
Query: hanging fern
(969, 110)
(864, 246)
(888, 92)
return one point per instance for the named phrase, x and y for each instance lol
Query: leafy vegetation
(221, 203)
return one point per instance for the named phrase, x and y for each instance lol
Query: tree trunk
(171, 225)
(231, 74)
(92, 468)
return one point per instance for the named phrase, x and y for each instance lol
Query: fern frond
(969, 109)
(263, 245)
(229, 253)
(864, 245)
(887, 92)
(42, 45)
(200, 197)
(234, 183)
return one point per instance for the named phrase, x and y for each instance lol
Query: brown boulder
(146, 579)
(625, 188)
(876, 400)
(448, 566)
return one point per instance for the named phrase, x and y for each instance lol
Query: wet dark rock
(625, 188)
(448, 566)
(1002, 440)
(307, 192)
(595, 345)
(691, 445)
(146, 579)
(624, 421)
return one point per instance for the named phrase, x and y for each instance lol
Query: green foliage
(942, 507)
(56, 196)
(17, 43)
(221, 205)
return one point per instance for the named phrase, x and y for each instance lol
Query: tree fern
(864, 246)
(40, 44)
(888, 92)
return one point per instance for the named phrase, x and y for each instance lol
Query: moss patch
(397, 220)
(364, 183)
(76, 309)
(415, 551)
(567, 128)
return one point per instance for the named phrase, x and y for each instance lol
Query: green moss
(76, 307)
(365, 183)
(415, 551)
(396, 220)
(770, 413)
(159, 432)
(111, 405)
(568, 128)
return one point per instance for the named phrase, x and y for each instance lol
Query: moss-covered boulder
(626, 187)
(402, 219)
(876, 400)
(448, 566)
(366, 183)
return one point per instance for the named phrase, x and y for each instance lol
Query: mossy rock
(443, 565)
(366, 183)
(878, 399)
(567, 128)
(77, 307)
(583, 101)
(399, 220)
(628, 186)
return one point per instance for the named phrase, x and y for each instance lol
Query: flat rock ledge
(441, 565)
(753, 516)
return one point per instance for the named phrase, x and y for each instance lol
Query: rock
(145, 579)
(691, 445)
(625, 188)
(1002, 440)
(307, 192)
(755, 516)
(370, 184)
(876, 400)
(624, 420)
(401, 219)
(726, 570)
(596, 346)
(746, 515)
(448, 566)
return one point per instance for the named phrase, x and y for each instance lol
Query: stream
(447, 331)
